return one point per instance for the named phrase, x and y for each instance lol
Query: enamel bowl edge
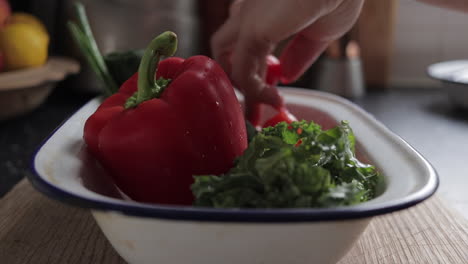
(143, 233)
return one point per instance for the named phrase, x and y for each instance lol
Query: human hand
(255, 27)
(459, 5)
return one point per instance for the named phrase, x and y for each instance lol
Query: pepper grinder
(341, 69)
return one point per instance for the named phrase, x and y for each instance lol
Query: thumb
(300, 53)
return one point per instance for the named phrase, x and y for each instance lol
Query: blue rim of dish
(190, 213)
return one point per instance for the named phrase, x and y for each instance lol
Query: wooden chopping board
(35, 229)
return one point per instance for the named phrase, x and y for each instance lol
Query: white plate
(454, 77)
(451, 71)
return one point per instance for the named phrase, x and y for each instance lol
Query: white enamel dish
(147, 233)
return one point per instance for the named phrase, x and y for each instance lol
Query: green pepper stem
(164, 45)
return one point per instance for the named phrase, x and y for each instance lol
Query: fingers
(249, 62)
(300, 53)
(249, 68)
(222, 42)
(256, 26)
(258, 34)
(304, 49)
(235, 7)
(271, 96)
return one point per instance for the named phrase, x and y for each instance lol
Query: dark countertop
(428, 121)
(19, 137)
(423, 117)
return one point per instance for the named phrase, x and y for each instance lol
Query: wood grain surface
(36, 229)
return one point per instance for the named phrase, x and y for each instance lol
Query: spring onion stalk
(83, 37)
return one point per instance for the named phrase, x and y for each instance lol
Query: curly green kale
(291, 166)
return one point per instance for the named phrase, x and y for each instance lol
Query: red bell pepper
(157, 132)
(273, 76)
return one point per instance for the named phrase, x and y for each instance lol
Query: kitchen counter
(423, 117)
(19, 137)
(428, 121)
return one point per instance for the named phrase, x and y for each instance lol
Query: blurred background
(397, 39)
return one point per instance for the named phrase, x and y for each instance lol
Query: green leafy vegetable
(290, 166)
(122, 65)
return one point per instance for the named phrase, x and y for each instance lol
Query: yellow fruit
(23, 46)
(26, 18)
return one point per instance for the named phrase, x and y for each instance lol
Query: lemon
(23, 45)
(25, 18)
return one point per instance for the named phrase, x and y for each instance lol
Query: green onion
(83, 37)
